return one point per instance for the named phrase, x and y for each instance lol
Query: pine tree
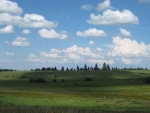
(77, 68)
(108, 67)
(96, 67)
(67, 69)
(62, 69)
(104, 66)
(55, 69)
(85, 67)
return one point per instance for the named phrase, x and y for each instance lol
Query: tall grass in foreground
(39, 109)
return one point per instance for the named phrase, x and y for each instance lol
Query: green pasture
(109, 90)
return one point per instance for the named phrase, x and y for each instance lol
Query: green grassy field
(108, 91)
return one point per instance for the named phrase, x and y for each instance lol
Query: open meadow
(68, 92)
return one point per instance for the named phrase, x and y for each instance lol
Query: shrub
(31, 80)
(54, 80)
(22, 76)
(88, 79)
(147, 79)
(39, 80)
(63, 80)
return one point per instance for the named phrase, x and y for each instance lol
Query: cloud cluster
(129, 51)
(26, 31)
(91, 42)
(12, 16)
(128, 47)
(92, 32)
(122, 50)
(7, 30)
(104, 5)
(73, 54)
(86, 7)
(10, 7)
(125, 33)
(10, 54)
(19, 41)
(51, 34)
(110, 17)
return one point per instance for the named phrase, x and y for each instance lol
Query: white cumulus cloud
(36, 21)
(10, 14)
(7, 30)
(10, 54)
(73, 54)
(52, 34)
(32, 59)
(32, 55)
(19, 41)
(128, 47)
(92, 32)
(110, 17)
(26, 31)
(124, 33)
(10, 7)
(86, 7)
(104, 5)
(123, 50)
(91, 42)
(130, 60)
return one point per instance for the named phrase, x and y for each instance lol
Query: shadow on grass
(38, 109)
(100, 79)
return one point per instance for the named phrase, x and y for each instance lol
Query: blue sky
(49, 33)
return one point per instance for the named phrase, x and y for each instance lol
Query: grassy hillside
(108, 90)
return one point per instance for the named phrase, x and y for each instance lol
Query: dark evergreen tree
(96, 67)
(81, 68)
(71, 69)
(78, 68)
(62, 69)
(43, 69)
(48, 68)
(55, 69)
(104, 66)
(85, 67)
(67, 69)
(108, 67)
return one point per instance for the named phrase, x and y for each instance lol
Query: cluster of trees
(87, 68)
(104, 67)
(7, 70)
(135, 68)
(45, 69)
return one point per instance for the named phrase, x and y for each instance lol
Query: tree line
(7, 70)
(86, 68)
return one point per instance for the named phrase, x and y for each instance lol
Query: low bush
(88, 79)
(23, 76)
(31, 80)
(147, 79)
(63, 80)
(39, 80)
(54, 80)
(55, 76)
